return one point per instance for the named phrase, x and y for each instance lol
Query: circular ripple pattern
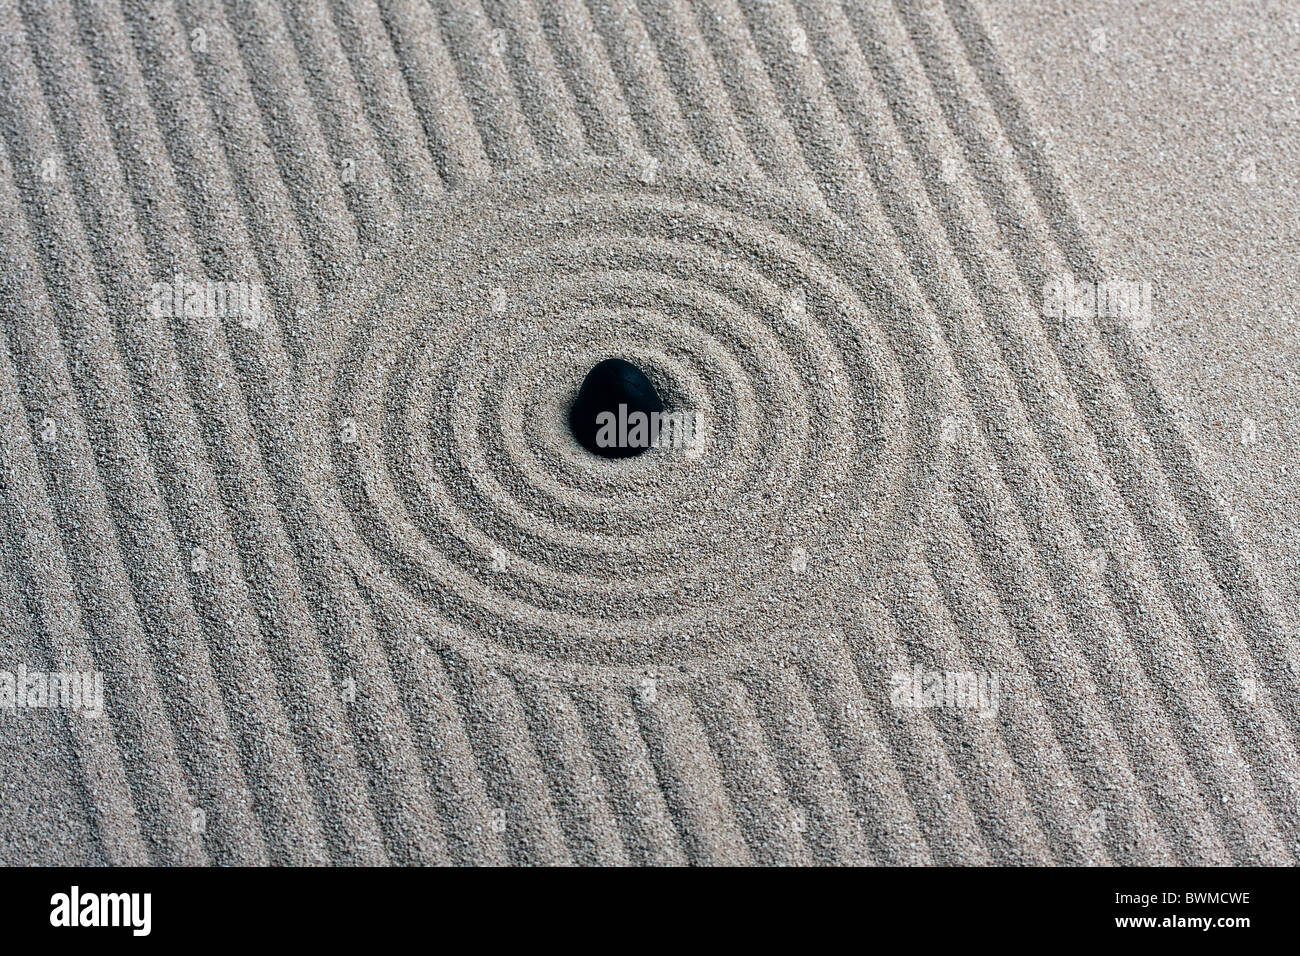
(459, 496)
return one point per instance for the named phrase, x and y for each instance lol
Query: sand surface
(356, 594)
(1183, 145)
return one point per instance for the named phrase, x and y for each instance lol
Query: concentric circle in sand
(458, 495)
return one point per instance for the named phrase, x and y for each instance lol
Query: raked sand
(356, 594)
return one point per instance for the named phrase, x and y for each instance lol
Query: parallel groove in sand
(919, 266)
(1187, 563)
(393, 779)
(1032, 500)
(593, 775)
(410, 163)
(125, 608)
(271, 576)
(52, 599)
(274, 565)
(218, 595)
(1239, 583)
(1030, 505)
(923, 258)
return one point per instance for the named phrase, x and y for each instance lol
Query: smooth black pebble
(611, 383)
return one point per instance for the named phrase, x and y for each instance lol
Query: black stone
(613, 382)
